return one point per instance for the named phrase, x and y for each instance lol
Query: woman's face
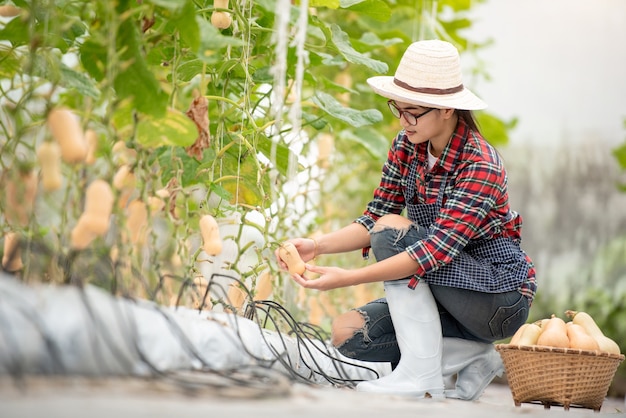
(426, 125)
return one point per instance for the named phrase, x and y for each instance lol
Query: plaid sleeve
(388, 196)
(475, 192)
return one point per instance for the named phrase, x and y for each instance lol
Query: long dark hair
(469, 118)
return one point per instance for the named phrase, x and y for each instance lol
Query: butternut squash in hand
(587, 322)
(554, 334)
(290, 255)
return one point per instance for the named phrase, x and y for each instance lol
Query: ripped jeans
(467, 314)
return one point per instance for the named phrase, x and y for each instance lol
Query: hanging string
(279, 69)
(295, 113)
(246, 9)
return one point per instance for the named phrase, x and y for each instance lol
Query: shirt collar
(452, 151)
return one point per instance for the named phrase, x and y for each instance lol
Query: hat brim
(463, 100)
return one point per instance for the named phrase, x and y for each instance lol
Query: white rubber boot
(476, 364)
(418, 331)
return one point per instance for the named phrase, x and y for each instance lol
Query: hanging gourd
(211, 240)
(263, 288)
(49, 157)
(220, 19)
(68, 133)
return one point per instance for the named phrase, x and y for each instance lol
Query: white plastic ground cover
(47, 329)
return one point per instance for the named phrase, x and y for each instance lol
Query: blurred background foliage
(279, 95)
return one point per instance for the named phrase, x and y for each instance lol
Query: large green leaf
(93, 57)
(10, 63)
(342, 42)
(371, 141)
(494, 130)
(135, 80)
(376, 9)
(16, 32)
(185, 21)
(173, 129)
(212, 42)
(354, 117)
(281, 160)
(79, 82)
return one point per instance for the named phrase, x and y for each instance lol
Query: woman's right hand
(306, 248)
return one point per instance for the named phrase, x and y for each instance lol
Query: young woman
(446, 241)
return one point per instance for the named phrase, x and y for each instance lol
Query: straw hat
(429, 75)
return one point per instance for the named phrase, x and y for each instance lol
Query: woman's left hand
(330, 278)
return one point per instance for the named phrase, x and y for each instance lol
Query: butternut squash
(554, 334)
(263, 288)
(589, 324)
(236, 296)
(219, 18)
(212, 242)
(91, 138)
(20, 194)
(529, 335)
(289, 254)
(98, 206)
(578, 338)
(12, 256)
(137, 221)
(66, 130)
(49, 157)
(518, 334)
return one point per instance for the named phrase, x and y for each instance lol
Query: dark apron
(487, 265)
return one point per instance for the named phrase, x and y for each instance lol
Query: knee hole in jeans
(345, 326)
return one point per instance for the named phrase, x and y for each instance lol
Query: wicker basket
(558, 376)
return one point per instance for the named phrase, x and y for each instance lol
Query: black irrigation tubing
(300, 335)
(302, 332)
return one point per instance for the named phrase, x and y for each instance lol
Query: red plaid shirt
(476, 205)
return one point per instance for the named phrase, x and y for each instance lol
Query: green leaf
(494, 130)
(342, 42)
(240, 176)
(135, 80)
(374, 143)
(93, 58)
(16, 31)
(10, 63)
(176, 160)
(187, 25)
(620, 155)
(79, 82)
(353, 117)
(172, 5)
(175, 128)
(331, 4)
(212, 42)
(281, 160)
(377, 9)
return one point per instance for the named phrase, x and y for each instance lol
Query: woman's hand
(306, 248)
(330, 278)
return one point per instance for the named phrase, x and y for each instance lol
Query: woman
(446, 241)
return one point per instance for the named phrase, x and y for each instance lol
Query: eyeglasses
(409, 117)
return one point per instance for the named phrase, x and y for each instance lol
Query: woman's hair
(468, 117)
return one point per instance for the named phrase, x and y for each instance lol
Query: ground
(67, 398)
